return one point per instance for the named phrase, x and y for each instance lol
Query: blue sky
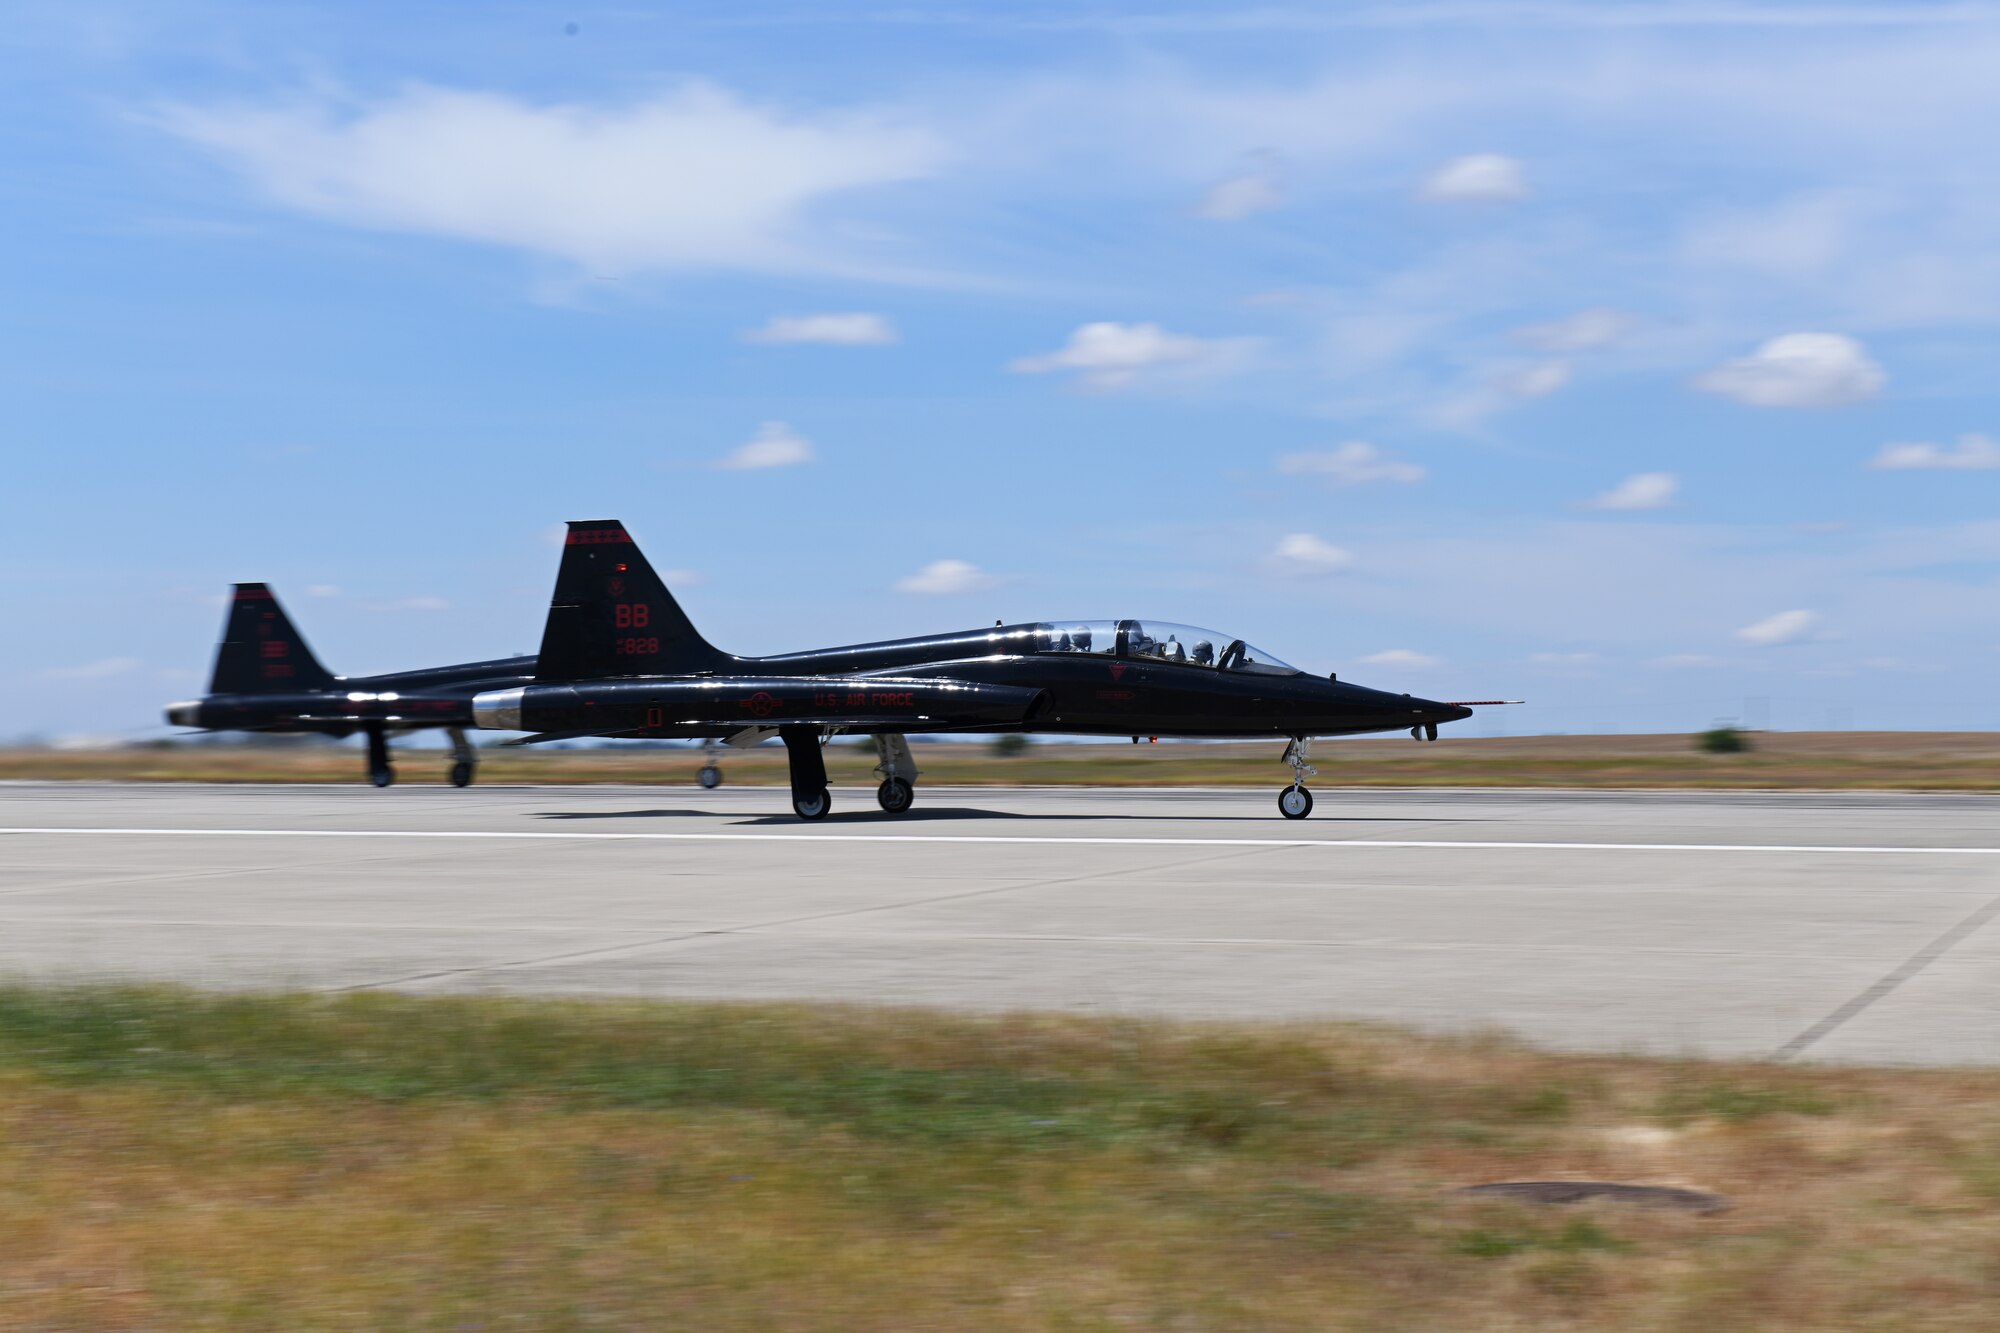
(1635, 359)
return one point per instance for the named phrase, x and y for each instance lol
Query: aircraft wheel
(382, 775)
(814, 806)
(1295, 802)
(710, 777)
(895, 795)
(461, 774)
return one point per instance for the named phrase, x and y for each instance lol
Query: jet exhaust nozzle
(185, 714)
(498, 710)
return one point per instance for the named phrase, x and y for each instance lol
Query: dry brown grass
(172, 1160)
(1927, 761)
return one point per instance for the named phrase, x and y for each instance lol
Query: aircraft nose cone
(1435, 712)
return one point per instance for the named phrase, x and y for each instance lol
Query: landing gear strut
(380, 771)
(464, 759)
(810, 798)
(1295, 802)
(709, 775)
(899, 773)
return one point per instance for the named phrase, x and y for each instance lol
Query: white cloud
(855, 330)
(1584, 331)
(692, 178)
(1241, 196)
(1402, 657)
(1686, 661)
(1536, 381)
(1799, 370)
(1351, 464)
(1643, 490)
(322, 590)
(1973, 453)
(943, 577)
(1301, 555)
(682, 578)
(1480, 178)
(1111, 355)
(1785, 627)
(774, 445)
(1499, 389)
(104, 668)
(409, 604)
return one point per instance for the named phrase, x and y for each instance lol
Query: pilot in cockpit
(1204, 653)
(1080, 639)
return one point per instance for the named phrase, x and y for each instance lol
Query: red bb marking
(597, 537)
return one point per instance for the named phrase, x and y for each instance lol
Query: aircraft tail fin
(261, 651)
(613, 616)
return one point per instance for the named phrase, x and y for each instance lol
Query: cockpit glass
(1162, 639)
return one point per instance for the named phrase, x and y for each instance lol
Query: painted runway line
(1026, 840)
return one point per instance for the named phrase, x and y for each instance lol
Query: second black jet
(619, 658)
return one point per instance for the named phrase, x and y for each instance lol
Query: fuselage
(1108, 678)
(397, 701)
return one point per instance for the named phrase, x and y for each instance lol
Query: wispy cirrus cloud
(774, 445)
(1110, 355)
(852, 330)
(1353, 463)
(1643, 490)
(943, 578)
(694, 177)
(1972, 453)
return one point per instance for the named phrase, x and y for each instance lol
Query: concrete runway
(1828, 927)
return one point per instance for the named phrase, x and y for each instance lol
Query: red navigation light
(620, 568)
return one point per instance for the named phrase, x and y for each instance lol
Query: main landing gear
(810, 797)
(899, 773)
(1295, 802)
(464, 759)
(710, 774)
(380, 771)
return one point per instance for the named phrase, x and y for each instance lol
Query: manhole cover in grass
(1574, 1191)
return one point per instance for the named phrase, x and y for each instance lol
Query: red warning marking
(1117, 671)
(597, 537)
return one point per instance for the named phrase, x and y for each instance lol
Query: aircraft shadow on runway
(942, 813)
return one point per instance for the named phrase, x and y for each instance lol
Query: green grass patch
(187, 1160)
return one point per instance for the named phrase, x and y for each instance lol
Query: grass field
(1934, 761)
(177, 1160)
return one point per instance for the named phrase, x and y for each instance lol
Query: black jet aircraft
(620, 658)
(267, 679)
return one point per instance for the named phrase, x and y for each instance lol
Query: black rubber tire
(1292, 808)
(461, 774)
(709, 777)
(814, 807)
(383, 776)
(895, 795)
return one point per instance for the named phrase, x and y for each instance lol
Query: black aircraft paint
(620, 658)
(267, 679)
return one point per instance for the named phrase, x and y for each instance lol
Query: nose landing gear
(1295, 802)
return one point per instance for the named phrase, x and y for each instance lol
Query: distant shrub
(1724, 740)
(1009, 744)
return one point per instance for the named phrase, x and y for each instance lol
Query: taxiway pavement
(1823, 926)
